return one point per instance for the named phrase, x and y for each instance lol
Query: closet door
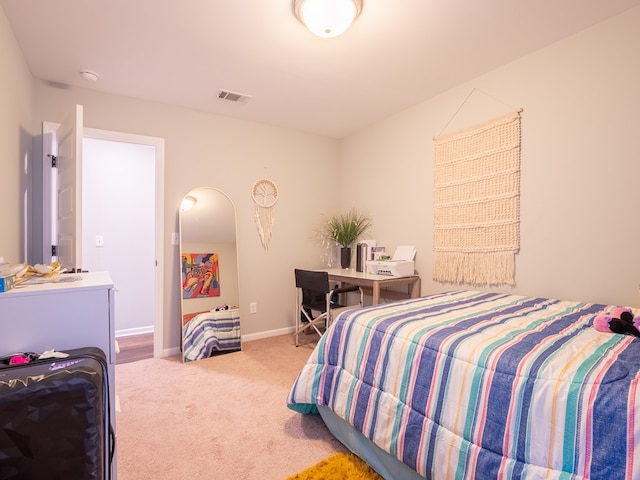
(62, 192)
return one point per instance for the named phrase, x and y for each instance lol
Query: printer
(402, 264)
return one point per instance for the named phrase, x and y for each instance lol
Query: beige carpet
(220, 418)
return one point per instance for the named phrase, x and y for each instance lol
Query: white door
(63, 188)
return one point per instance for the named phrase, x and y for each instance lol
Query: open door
(63, 192)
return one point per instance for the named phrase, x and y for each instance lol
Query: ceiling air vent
(233, 96)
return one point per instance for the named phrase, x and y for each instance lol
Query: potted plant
(344, 229)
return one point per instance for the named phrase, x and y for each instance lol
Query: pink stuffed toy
(618, 320)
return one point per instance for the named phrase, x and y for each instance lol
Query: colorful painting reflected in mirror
(200, 277)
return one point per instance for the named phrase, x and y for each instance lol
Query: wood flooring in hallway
(134, 348)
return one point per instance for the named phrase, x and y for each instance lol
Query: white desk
(376, 282)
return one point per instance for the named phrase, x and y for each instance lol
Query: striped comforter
(483, 385)
(211, 332)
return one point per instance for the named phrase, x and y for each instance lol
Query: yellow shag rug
(340, 466)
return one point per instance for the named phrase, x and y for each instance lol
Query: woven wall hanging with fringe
(476, 231)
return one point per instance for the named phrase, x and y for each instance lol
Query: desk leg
(415, 288)
(376, 293)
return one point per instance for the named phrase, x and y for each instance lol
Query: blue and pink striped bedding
(483, 385)
(210, 332)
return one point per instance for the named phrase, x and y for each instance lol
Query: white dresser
(62, 316)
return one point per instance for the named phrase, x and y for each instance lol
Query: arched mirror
(209, 274)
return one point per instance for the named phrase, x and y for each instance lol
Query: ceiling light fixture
(327, 18)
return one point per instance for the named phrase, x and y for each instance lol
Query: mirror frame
(208, 326)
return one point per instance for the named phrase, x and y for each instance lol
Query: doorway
(122, 219)
(51, 140)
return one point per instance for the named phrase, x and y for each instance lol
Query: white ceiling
(396, 54)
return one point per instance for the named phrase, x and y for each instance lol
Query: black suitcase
(55, 418)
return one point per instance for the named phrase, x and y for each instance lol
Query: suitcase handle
(112, 448)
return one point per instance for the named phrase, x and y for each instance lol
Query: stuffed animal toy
(618, 320)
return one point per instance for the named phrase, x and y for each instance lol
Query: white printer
(402, 264)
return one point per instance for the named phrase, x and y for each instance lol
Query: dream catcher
(265, 196)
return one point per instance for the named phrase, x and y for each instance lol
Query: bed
(207, 333)
(470, 384)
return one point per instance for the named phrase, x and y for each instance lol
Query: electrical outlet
(253, 307)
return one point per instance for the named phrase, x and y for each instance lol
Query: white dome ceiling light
(89, 75)
(327, 18)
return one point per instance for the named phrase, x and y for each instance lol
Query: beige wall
(16, 108)
(208, 150)
(580, 171)
(580, 191)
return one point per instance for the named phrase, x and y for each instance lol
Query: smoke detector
(89, 75)
(234, 96)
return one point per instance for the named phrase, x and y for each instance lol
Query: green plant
(345, 229)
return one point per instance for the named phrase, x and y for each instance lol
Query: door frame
(48, 130)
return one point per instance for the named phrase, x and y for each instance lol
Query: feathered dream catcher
(265, 196)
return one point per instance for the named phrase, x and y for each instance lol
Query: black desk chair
(314, 294)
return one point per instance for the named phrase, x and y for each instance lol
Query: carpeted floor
(220, 418)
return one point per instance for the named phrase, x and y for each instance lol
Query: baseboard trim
(127, 332)
(269, 333)
(169, 352)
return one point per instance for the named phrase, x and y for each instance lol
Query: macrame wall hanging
(265, 196)
(476, 195)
